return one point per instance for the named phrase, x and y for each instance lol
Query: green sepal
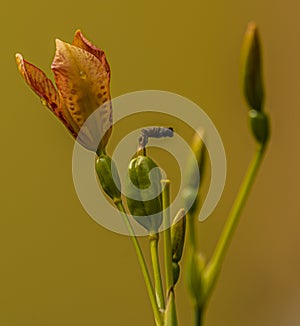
(259, 124)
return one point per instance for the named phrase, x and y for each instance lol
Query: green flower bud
(143, 192)
(177, 235)
(176, 272)
(259, 123)
(251, 68)
(108, 174)
(191, 189)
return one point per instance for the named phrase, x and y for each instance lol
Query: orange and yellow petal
(81, 42)
(83, 82)
(39, 82)
(43, 87)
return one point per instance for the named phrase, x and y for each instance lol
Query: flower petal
(81, 42)
(43, 87)
(83, 82)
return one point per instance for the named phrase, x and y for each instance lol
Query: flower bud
(177, 235)
(108, 174)
(176, 272)
(259, 123)
(192, 178)
(143, 192)
(251, 66)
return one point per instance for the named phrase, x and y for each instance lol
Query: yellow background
(57, 266)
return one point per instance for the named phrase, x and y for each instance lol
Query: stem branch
(143, 264)
(198, 315)
(167, 235)
(153, 239)
(214, 267)
(170, 315)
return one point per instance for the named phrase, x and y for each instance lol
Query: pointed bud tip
(179, 215)
(252, 27)
(20, 63)
(78, 34)
(252, 33)
(59, 43)
(19, 59)
(251, 68)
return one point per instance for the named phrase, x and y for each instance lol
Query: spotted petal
(81, 42)
(83, 81)
(43, 87)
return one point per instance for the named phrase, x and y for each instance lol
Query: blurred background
(57, 266)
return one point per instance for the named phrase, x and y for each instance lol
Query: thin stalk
(153, 240)
(141, 259)
(214, 267)
(167, 235)
(198, 313)
(170, 315)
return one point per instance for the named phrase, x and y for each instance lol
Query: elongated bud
(259, 124)
(178, 235)
(176, 272)
(195, 282)
(143, 192)
(108, 174)
(192, 178)
(251, 66)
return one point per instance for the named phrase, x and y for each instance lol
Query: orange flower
(82, 77)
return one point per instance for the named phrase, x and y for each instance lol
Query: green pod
(143, 192)
(108, 174)
(178, 235)
(259, 124)
(251, 68)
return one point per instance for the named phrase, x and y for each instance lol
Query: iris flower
(82, 78)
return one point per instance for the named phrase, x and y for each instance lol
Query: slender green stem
(170, 315)
(141, 259)
(153, 239)
(167, 235)
(213, 268)
(198, 321)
